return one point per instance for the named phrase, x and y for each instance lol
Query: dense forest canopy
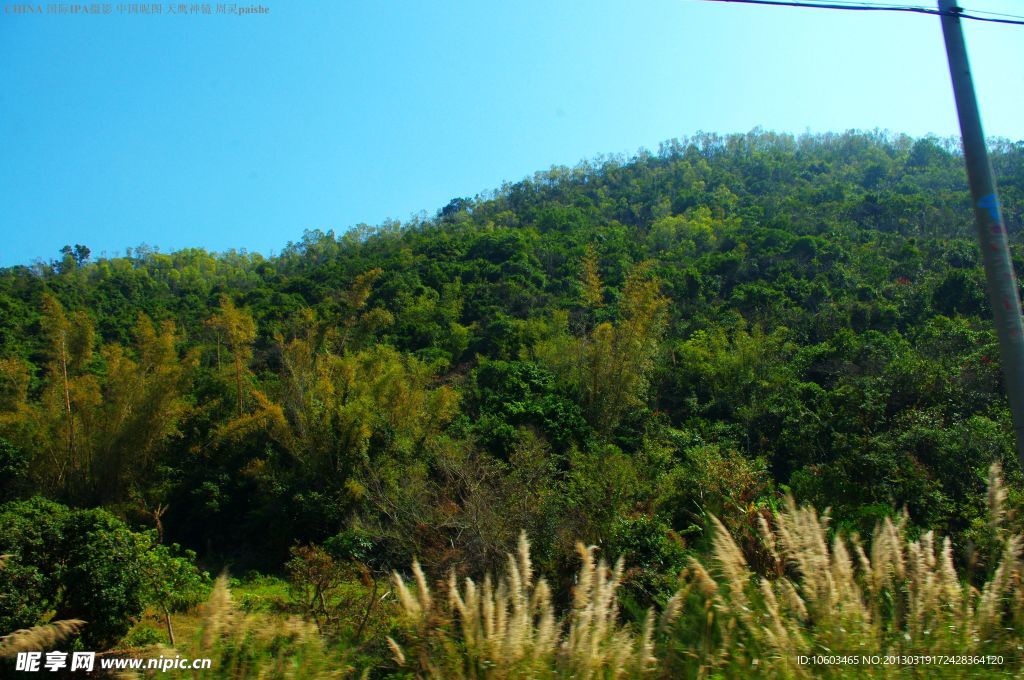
(610, 353)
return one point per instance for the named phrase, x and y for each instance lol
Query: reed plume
(902, 596)
(508, 628)
(39, 637)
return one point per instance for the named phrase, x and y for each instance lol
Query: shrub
(84, 564)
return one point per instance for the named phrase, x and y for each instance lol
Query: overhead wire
(913, 6)
(880, 7)
(997, 14)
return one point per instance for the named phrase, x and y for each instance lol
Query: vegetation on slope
(611, 354)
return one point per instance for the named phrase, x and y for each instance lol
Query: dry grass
(38, 637)
(509, 629)
(905, 597)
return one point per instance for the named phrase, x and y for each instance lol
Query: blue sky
(240, 132)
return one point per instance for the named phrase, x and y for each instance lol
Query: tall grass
(38, 638)
(509, 629)
(900, 596)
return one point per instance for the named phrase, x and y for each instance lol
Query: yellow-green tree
(619, 357)
(236, 330)
(592, 290)
(53, 426)
(330, 402)
(95, 431)
(143, 400)
(610, 368)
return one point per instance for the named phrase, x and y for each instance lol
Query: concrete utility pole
(995, 250)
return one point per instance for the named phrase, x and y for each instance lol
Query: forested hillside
(612, 353)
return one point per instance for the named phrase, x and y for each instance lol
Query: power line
(890, 5)
(876, 7)
(995, 14)
(872, 4)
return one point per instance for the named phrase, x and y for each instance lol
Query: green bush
(85, 564)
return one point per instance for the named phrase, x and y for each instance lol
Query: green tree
(83, 564)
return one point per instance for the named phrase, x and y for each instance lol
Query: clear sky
(242, 131)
